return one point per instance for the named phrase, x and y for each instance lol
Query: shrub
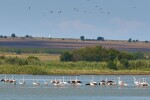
(112, 65)
(146, 41)
(2, 57)
(18, 51)
(66, 56)
(15, 60)
(32, 60)
(82, 38)
(125, 63)
(130, 40)
(100, 38)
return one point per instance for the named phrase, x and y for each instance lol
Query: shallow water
(69, 92)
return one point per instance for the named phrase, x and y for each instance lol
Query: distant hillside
(73, 44)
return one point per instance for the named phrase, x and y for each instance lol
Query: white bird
(92, 83)
(103, 82)
(111, 83)
(45, 83)
(144, 83)
(22, 82)
(136, 82)
(75, 82)
(121, 83)
(13, 81)
(36, 83)
(56, 82)
(63, 82)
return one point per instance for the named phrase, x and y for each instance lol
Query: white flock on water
(138, 82)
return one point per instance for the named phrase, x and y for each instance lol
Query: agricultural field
(69, 44)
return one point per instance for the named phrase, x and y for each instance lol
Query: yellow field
(41, 56)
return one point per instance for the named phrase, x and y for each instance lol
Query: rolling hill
(73, 44)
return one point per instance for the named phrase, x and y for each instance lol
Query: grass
(42, 56)
(146, 54)
(41, 70)
(70, 68)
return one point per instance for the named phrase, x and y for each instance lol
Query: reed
(31, 64)
(42, 56)
(38, 70)
(72, 68)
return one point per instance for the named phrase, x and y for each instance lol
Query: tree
(66, 56)
(32, 60)
(1, 36)
(112, 54)
(137, 40)
(138, 55)
(82, 38)
(124, 62)
(27, 36)
(112, 65)
(5, 36)
(18, 51)
(146, 41)
(100, 38)
(13, 35)
(130, 40)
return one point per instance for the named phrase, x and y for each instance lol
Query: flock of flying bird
(95, 8)
(79, 10)
(76, 82)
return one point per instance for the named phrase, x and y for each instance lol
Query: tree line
(113, 57)
(13, 35)
(98, 39)
(130, 40)
(98, 54)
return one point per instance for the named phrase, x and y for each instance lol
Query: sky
(111, 19)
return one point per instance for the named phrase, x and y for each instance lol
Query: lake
(69, 92)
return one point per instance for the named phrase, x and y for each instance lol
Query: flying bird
(51, 11)
(59, 12)
(96, 6)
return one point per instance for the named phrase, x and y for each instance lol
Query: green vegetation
(99, 54)
(1, 36)
(31, 60)
(13, 35)
(33, 65)
(113, 59)
(146, 41)
(82, 38)
(100, 38)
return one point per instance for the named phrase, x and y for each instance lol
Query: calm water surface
(68, 92)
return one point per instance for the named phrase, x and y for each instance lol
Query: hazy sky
(112, 19)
